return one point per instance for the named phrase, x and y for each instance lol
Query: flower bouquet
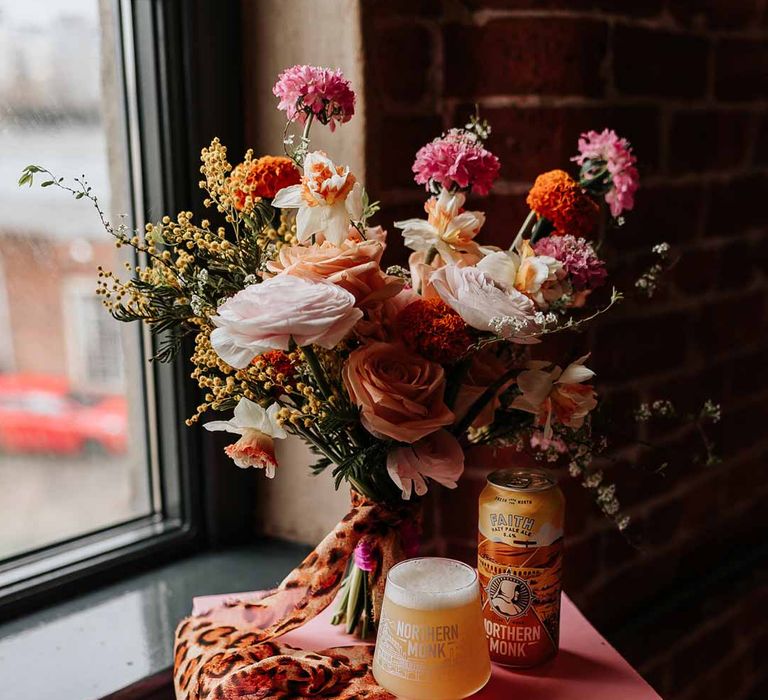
(389, 375)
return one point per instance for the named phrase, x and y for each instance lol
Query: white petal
(309, 221)
(235, 355)
(336, 223)
(501, 267)
(276, 430)
(354, 202)
(576, 372)
(288, 198)
(223, 425)
(249, 414)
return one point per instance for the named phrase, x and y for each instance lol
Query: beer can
(519, 563)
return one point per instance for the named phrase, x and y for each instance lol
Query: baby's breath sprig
(649, 280)
(504, 327)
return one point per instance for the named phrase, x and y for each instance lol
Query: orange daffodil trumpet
(448, 229)
(555, 394)
(328, 199)
(258, 428)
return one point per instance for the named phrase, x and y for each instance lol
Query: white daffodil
(258, 429)
(328, 199)
(536, 276)
(447, 228)
(555, 394)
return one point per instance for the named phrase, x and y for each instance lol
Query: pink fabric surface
(586, 668)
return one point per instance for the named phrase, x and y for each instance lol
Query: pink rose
(266, 316)
(438, 457)
(353, 265)
(400, 394)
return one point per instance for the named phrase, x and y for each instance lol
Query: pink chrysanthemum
(325, 93)
(456, 159)
(578, 258)
(365, 555)
(607, 150)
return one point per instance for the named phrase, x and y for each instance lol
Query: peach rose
(400, 394)
(380, 320)
(352, 265)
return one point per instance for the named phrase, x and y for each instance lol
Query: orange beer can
(519, 563)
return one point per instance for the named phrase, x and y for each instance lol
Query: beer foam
(431, 583)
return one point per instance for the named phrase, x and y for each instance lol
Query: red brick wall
(687, 83)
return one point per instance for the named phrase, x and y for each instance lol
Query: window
(86, 484)
(93, 340)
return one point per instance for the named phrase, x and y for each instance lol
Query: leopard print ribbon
(230, 652)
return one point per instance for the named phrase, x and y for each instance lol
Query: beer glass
(431, 643)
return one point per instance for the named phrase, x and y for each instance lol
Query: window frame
(175, 56)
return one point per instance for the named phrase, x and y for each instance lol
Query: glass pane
(72, 448)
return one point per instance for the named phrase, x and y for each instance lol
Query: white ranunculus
(474, 296)
(266, 316)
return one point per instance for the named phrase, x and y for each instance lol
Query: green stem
(523, 229)
(486, 397)
(457, 377)
(338, 616)
(355, 594)
(317, 371)
(307, 127)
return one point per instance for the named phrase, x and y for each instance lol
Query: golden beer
(431, 643)
(519, 562)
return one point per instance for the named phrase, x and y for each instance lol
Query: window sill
(116, 642)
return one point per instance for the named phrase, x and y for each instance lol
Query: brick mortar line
(523, 101)
(518, 187)
(685, 304)
(739, 649)
(605, 578)
(662, 23)
(719, 176)
(529, 100)
(698, 368)
(600, 526)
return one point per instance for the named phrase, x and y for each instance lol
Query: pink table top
(586, 668)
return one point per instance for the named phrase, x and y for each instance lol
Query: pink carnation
(325, 93)
(456, 159)
(607, 150)
(578, 258)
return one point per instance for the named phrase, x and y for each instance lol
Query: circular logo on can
(508, 595)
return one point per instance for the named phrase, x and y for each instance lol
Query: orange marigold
(264, 178)
(557, 196)
(275, 363)
(434, 330)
